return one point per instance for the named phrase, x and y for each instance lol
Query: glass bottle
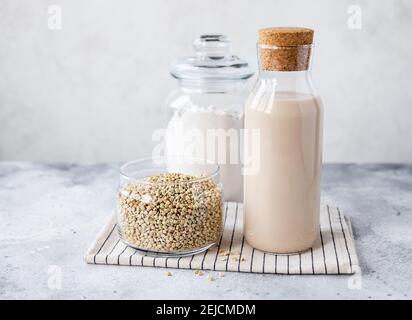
(282, 193)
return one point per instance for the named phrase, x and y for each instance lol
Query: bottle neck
(285, 68)
(286, 81)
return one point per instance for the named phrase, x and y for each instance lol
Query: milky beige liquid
(282, 200)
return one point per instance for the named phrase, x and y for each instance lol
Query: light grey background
(95, 90)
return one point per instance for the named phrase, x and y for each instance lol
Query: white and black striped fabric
(333, 253)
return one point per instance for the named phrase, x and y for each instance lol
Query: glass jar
(205, 112)
(282, 192)
(170, 207)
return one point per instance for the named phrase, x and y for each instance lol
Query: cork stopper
(285, 48)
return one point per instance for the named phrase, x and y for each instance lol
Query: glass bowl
(170, 206)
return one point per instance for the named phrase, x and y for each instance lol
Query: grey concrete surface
(50, 213)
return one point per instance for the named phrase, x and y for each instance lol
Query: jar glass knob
(212, 46)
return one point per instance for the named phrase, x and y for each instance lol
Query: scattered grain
(210, 278)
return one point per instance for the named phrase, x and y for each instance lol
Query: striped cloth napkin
(333, 253)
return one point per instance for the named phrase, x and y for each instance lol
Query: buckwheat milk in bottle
(282, 197)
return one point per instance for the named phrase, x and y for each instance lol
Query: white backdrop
(94, 90)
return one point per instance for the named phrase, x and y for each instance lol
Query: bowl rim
(209, 176)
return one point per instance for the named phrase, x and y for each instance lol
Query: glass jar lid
(213, 60)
